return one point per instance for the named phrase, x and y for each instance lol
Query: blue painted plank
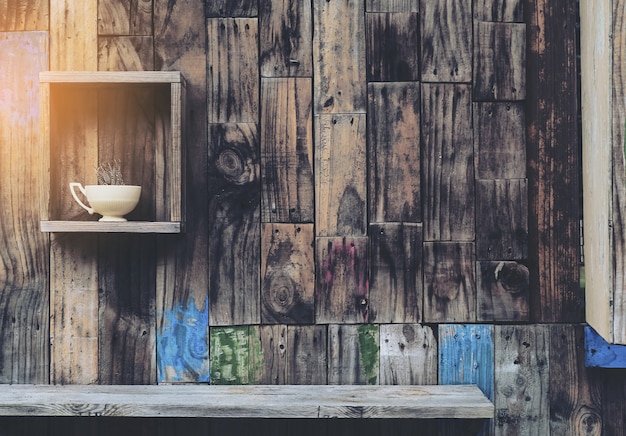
(466, 356)
(601, 354)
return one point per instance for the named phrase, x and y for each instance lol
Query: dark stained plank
(522, 379)
(340, 175)
(268, 354)
(392, 5)
(449, 282)
(613, 402)
(232, 70)
(341, 284)
(23, 15)
(499, 61)
(24, 269)
(446, 40)
(500, 140)
(287, 274)
(353, 354)
(554, 163)
(395, 280)
(118, 17)
(393, 137)
(231, 8)
(502, 291)
(125, 53)
(392, 47)
(230, 355)
(182, 273)
(497, 10)
(501, 219)
(447, 162)
(287, 150)
(408, 355)
(575, 401)
(339, 54)
(306, 355)
(286, 46)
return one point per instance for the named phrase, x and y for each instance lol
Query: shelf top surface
(111, 227)
(104, 77)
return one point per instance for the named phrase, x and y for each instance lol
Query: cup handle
(79, 186)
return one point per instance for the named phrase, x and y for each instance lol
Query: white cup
(110, 201)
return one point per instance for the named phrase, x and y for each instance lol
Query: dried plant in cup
(110, 173)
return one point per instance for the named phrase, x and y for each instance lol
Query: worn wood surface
(231, 8)
(268, 354)
(340, 175)
(393, 135)
(502, 291)
(125, 18)
(74, 28)
(494, 10)
(392, 5)
(307, 361)
(125, 53)
(392, 47)
(24, 15)
(601, 354)
(353, 354)
(287, 150)
(395, 276)
(408, 355)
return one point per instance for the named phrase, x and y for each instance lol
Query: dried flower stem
(110, 173)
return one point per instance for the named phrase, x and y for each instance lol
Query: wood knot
(235, 167)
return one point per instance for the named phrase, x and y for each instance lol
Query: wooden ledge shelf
(249, 401)
(111, 227)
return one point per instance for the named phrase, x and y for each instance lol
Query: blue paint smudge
(182, 347)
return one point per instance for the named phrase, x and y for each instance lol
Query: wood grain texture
(500, 140)
(393, 138)
(395, 278)
(449, 282)
(447, 162)
(341, 288)
(499, 61)
(268, 354)
(307, 361)
(286, 46)
(601, 354)
(501, 219)
(74, 28)
(232, 70)
(494, 10)
(522, 379)
(287, 274)
(446, 40)
(408, 355)
(24, 268)
(340, 175)
(125, 53)
(231, 8)
(229, 355)
(287, 150)
(554, 162)
(575, 402)
(392, 47)
(339, 74)
(22, 15)
(502, 291)
(353, 354)
(116, 17)
(392, 5)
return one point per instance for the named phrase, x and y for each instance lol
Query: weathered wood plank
(268, 354)
(287, 274)
(125, 53)
(339, 53)
(182, 273)
(501, 219)
(395, 278)
(23, 15)
(408, 355)
(392, 47)
(131, 17)
(340, 175)
(502, 291)
(287, 150)
(499, 61)
(307, 361)
(601, 354)
(495, 10)
(24, 270)
(74, 30)
(522, 379)
(575, 402)
(231, 8)
(392, 5)
(314, 401)
(554, 162)
(446, 40)
(341, 289)
(447, 162)
(500, 140)
(230, 355)
(232, 70)
(449, 282)
(286, 46)
(393, 137)
(353, 354)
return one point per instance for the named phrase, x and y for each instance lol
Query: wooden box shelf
(135, 117)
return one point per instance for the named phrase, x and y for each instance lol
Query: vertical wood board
(125, 53)
(132, 17)
(230, 355)
(408, 355)
(231, 8)
(74, 30)
(495, 10)
(24, 15)
(353, 354)
(502, 291)
(268, 354)
(307, 362)
(392, 5)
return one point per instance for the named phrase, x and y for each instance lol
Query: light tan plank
(74, 30)
(408, 355)
(125, 53)
(21, 15)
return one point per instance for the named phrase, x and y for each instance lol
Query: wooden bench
(249, 401)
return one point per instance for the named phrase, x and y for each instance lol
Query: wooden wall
(377, 190)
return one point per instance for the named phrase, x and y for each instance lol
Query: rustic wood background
(377, 190)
